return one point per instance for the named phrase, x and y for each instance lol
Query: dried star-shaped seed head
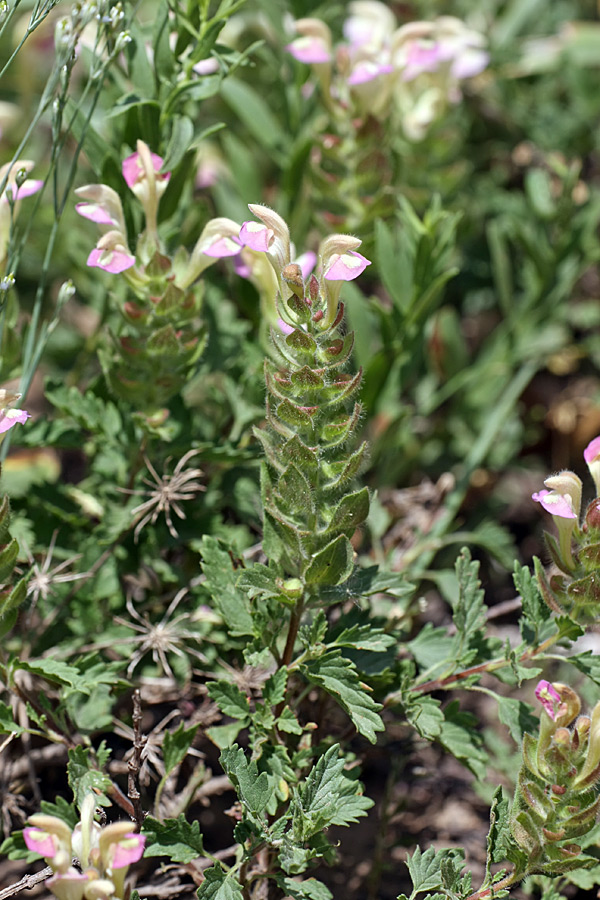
(166, 493)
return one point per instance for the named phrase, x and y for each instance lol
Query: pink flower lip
(309, 50)
(550, 699)
(133, 169)
(422, 58)
(257, 236)
(241, 268)
(471, 62)
(39, 841)
(128, 850)
(8, 418)
(96, 213)
(346, 266)
(556, 504)
(29, 187)
(368, 71)
(113, 261)
(224, 246)
(592, 451)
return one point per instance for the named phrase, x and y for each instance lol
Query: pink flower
(591, 454)
(127, 851)
(345, 266)
(367, 71)
(95, 213)
(30, 186)
(550, 699)
(422, 58)
(134, 170)
(256, 236)
(309, 49)
(223, 247)
(10, 417)
(556, 504)
(113, 261)
(41, 842)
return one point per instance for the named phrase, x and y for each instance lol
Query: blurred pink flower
(10, 417)
(309, 49)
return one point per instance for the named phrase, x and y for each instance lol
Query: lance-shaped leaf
(294, 491)
(333, 564)
(351, 511)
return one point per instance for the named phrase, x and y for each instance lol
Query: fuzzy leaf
(253, 789)
(315, 801)
(228, 697)
(469, 610)
(517, 716)
(7, 723)
(426, 868)
(84, 778)
(176, 745)
(288, 723)
(178, 839)
(218, 885)
(333, 564)
(351, 511)
(221, 580)
(274, 687)
(338, 677)
(460, 737)
(309, 889)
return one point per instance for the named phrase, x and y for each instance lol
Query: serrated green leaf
(176, 745)
(274, 687)
(178, 839)
(228, 697)
(337, 675)
(460, 737)
(219, 885)
(426, 716)
(588, 663)
(314, 805)
(223, 736)
(364, 637)
(254, 790)
(517, 716)
(536, 622)
(309, 889)
(425, 868)
(62, 810)
(7, 723)
(499, 831)
(221, 580)
(84, 778)
(288, 723)
(469, 610)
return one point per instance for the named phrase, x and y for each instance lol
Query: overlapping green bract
(556, 798)
(310, 512)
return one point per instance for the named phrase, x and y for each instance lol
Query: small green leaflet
(176, 745)
(175, 838)
(315, 801)
(218, 885)
(309, 889)
(228, 697)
